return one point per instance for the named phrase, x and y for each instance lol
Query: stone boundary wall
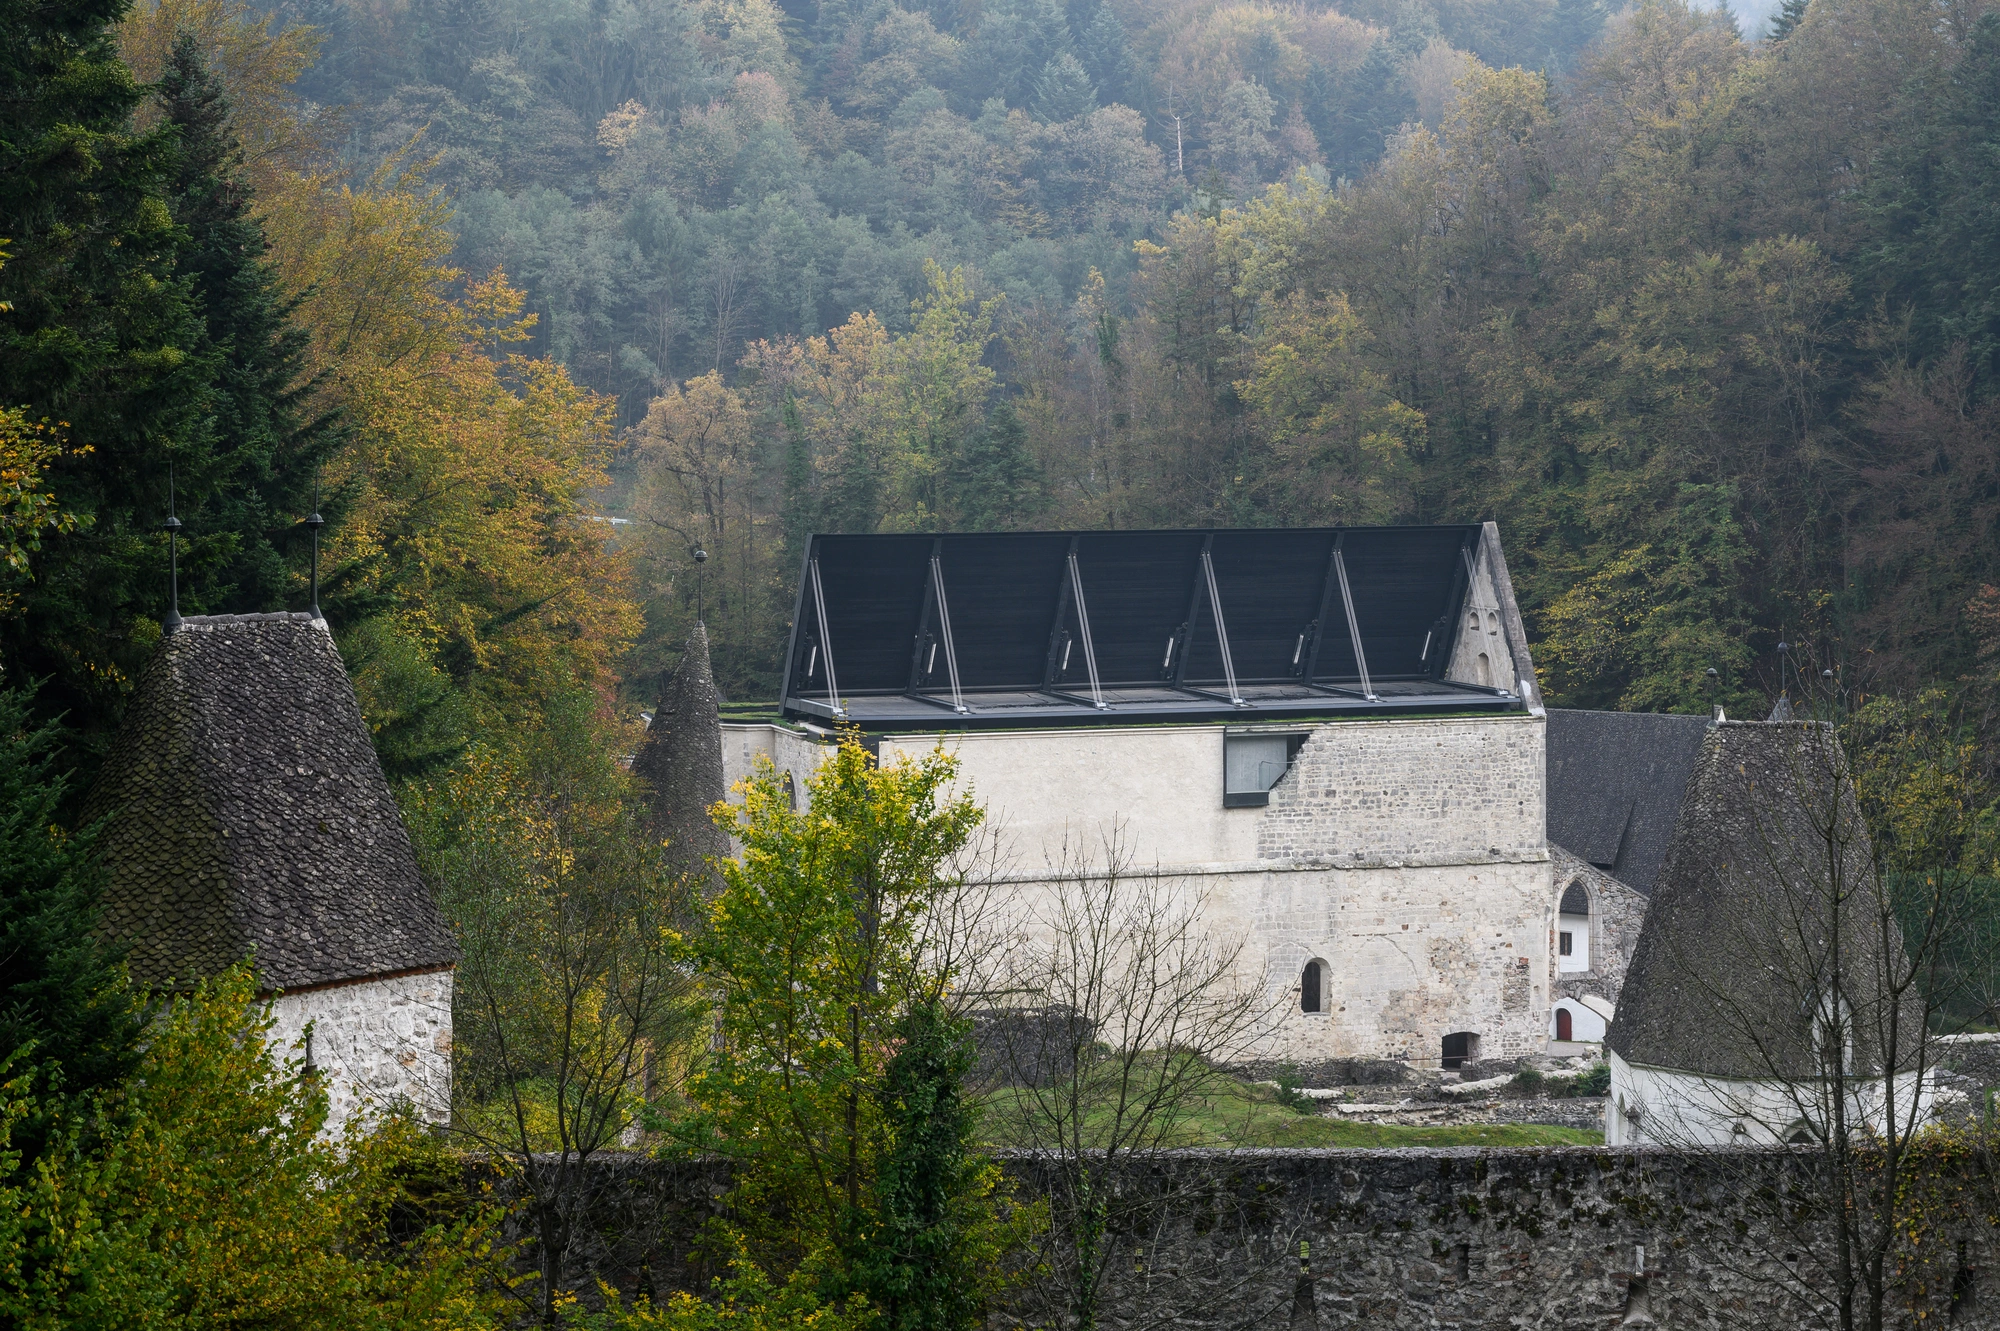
(1392, 1240)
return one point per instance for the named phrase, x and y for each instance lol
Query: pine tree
(1789, 16)
(917, 1264)
(1063, 92)
(59, 991)
(1571, 26)
(997, 476)
(99, 335)
(263, 441)
(1101, 45)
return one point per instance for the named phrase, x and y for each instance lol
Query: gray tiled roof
(248, 814)
(1732, 951)
(1615, 784)
(680, 760)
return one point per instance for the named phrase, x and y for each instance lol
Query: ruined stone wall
(1408, 1240)
(1616, 912)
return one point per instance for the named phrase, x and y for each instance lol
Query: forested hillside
(1706, 320)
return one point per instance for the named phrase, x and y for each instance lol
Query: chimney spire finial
(172, 527)
(700, 558)
(315, 522)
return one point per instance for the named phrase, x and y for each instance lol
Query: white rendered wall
(1480, 654)
(1410, 854)
(376, 1043)
(1672, 1108)
(1585, 1026)
(1578, 929)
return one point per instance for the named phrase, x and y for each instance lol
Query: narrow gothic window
(1564, 945)
(1312, 987)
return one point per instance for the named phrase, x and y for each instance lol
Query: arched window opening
(1312, 987)
(1564, 1025)
(1460, 1048)
(1573, 928)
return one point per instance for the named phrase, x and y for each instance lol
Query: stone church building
(247, 817)
(1336, 734)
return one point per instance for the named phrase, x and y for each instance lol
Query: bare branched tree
(1815, 927)
(1121, 1005)
(572, 1011)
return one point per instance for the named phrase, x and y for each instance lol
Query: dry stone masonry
(1574, 1239)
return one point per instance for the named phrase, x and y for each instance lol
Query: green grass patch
(1235, 1113)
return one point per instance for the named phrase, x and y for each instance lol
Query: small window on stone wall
(1253, 763)
(1313, 996)
(1460, 1048)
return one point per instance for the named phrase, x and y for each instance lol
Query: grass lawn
(1235, 1113)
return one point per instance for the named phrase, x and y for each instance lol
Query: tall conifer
(263, 439)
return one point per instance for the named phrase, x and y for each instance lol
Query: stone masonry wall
(1616, 912)
(1406, 1240)
(1403, 793)
(1411, 954)
(376, 1042)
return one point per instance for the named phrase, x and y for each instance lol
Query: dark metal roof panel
(869, 602)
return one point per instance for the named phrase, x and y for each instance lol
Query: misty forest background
(1707, 319)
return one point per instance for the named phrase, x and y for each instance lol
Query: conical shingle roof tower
(681, 761)
(247, 817)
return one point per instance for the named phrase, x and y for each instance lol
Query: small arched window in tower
(1313, 996)
(1573, 928)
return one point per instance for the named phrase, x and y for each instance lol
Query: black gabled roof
(247, 814)
(871, 605)
(1615, 785)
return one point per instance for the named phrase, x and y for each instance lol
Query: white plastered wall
(376, 1043)
(1481, 655)
(1409, 854)
(1666, 1107)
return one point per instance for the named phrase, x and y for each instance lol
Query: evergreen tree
(918, 1265)
(1571, 26)
(1062, 91)
(59, 991)
(1965, 255)
(264, 443)
(1789, 16)
(97, 332)
(1015, 41)
(1935, 250)
(1100, 44)
(998, 482)
(1375, 102)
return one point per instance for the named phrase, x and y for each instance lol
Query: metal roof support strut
(1083, 625)
(1353, 625)
(944, 624)
(825, 640)
(1221, 633)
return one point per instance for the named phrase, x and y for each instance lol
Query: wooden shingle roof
(248, 816)
(1770, 864)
